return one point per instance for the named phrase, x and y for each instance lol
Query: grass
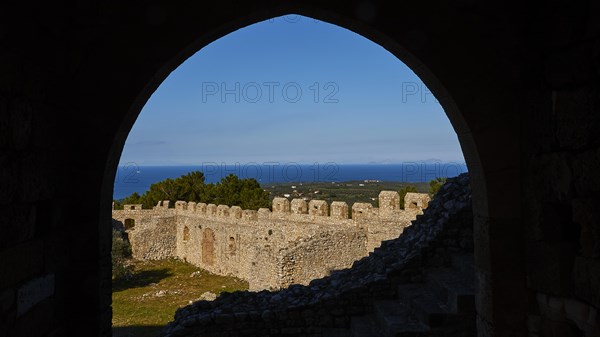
(148, 301)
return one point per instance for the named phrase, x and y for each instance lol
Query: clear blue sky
(369, 107)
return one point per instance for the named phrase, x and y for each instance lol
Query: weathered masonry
(293, 244)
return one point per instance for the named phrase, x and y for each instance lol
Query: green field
(348, 191)
(148, 301)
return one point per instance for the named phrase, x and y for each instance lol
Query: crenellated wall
(292, 244)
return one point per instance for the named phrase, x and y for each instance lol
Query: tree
(192, 185)
(245, 193)
(232, 191)
(134, 198)
(435, 185)
(121, 252)
(403, 191)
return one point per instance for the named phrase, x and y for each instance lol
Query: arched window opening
(186, 233)
(231, 245)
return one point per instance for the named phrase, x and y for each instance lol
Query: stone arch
(524, 85)
(208, 247)
(470, 76)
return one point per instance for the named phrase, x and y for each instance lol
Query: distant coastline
(133, 178)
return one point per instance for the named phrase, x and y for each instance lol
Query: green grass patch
(148, 301)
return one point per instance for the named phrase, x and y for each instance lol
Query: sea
(134, 178)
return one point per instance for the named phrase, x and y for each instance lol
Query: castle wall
(239, 249)
(382, 226)
(319, 255)
(293, 244)
(153, 238)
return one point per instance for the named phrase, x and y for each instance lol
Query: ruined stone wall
(152, 233)
(381, 226)
(258, 247)
(328, 306)
(153, 238)
(316, 256)
(239, 249)
(293, 244)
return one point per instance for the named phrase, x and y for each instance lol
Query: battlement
(134, 207)
(162, 205)
(299, 210)
(418, 201)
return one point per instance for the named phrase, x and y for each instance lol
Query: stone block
(281, 206)
(223, 211)
(36, 322)
(299, 206)
(250, 215)
(389, 201)
(339, 210)
(361, 210)
(235, 212)
(201, 208)
(33, 292)
(264, 213)
(211, 209)
(132, 207)
(418, 201)
(318, 208)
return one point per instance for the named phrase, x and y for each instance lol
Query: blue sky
(291, 89)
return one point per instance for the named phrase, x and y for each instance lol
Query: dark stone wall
(519, 84)
(561, 159)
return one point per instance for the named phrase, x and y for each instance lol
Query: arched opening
(231, 245)
(469, 147)
(525, 87)
(208, 247)
(186, 233)
(307, 254)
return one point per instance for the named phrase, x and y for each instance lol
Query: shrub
(435, 185)
(403, 191)
(120, 254)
